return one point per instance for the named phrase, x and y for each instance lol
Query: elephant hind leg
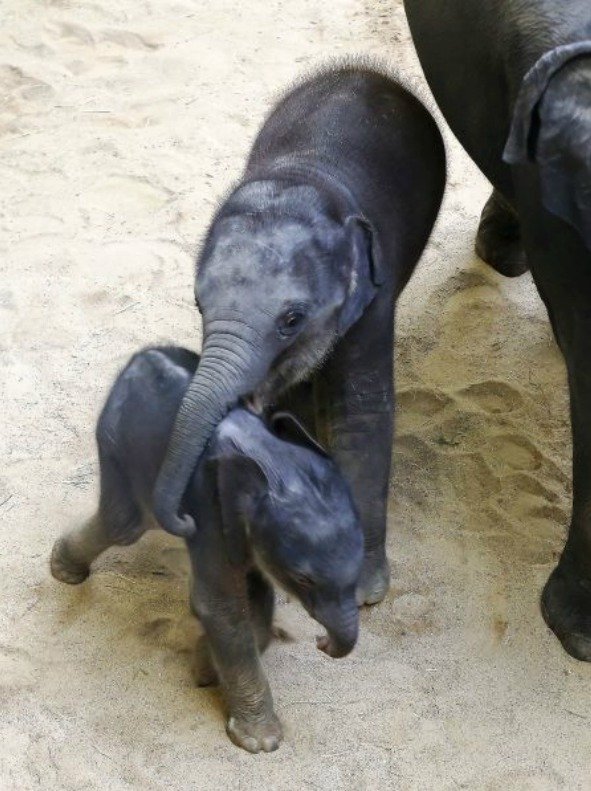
(117, 522)
(498, 241)
(566, 608)
(69, 560)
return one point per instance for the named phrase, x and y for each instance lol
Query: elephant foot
(498, 241)
(63, 565)
(255, 735)
(566, 608)
(204, 672)
(374, 581)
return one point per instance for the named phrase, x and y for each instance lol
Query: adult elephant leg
(498, 241)
(566, 599)
(354, 399)
(561, 266)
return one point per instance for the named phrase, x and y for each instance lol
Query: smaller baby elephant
(266, 500)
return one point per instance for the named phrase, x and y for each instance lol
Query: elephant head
(287, 504)
(287, 267)
(551, 128)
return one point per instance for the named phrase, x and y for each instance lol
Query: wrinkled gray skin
(513, 79)
(298, 278)
(263, 504)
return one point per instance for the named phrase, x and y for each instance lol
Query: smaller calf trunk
(342, 628)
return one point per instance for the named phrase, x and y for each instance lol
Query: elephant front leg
(232, 645)
(355, 407)
(561, 268)
(262, 605)
(362, 446)
(252, 723)
(566, 599)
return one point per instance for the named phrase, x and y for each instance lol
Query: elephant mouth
(296, 364)
(255, 403)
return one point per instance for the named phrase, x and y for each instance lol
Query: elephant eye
(291, 321)
(303, 580)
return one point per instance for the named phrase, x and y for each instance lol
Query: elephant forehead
(328, 512)
(273, 245)
(237, 286)
(325, 550)
(285, 262)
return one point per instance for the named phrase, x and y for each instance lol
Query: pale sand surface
(121, 123)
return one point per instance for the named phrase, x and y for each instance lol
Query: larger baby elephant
(513, 79)
(298, 278)
(261, 503)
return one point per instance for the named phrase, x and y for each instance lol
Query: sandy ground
(121, 122)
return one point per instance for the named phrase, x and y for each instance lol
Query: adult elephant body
(298, 277)
(513, 79)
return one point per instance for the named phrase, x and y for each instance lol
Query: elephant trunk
(342, 627)
(228, 370)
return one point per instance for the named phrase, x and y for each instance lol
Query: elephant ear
(245, 471)
(288, 428)
(366, 272)
(234, 520)
(551, 128)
